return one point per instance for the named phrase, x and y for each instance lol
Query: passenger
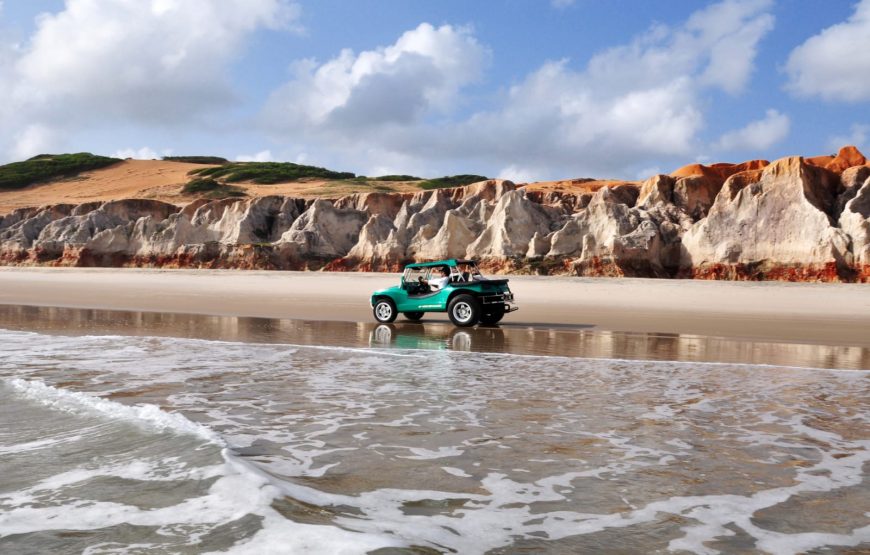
(470, 273)
(467, 272)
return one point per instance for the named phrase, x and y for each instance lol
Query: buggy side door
(405, 301)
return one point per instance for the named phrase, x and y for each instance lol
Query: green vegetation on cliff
(207, 180)
(451, 181)
(197, 159)
(47, 167)
(391, 178)
(209, 188)
(268, 172)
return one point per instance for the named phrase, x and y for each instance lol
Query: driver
(438, 283)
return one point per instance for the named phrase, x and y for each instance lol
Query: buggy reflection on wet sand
(453, 286)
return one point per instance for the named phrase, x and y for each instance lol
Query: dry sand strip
(829, 314)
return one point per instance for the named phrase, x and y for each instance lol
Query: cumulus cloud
(716, 46)
(835, 64)
(144, 153)
(160, 62)
(629, 107)
(857, 136)
(757, 135)
(153, 61)
(262, 156)
(423, 71)
(647, 172)
(35, 139)
(516, 173)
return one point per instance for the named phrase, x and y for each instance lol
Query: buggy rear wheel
(464, 311)
(492, 315)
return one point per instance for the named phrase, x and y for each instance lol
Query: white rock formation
(323, 231)
(855, 221)
(790, 220)
(780, 223)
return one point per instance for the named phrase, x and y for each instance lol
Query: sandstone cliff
(793, 219)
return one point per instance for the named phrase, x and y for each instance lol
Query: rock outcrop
(793, 219)
(779, 227)
(855, 223)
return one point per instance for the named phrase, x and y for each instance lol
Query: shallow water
(157, 444)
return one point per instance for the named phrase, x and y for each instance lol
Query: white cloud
(262, 156)
(152, 61)
(423, 71)
(628, 108)
(144, 153)
(716, 46)
(34, 139)
(559, 4)
(648, 172)
(517, 174)
(835, 64)
(157, 62)
(857, 136)
(757, 135)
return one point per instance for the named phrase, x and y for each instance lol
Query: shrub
(269, 172)
(396, 178)
(210, 188)
(451, 181)
(197, 159)
(46, 167)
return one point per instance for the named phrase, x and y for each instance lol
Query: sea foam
(141, 415)
(238, 489)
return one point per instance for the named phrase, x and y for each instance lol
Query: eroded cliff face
(794, 219)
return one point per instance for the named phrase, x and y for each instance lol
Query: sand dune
(153, 179)
(163, 180)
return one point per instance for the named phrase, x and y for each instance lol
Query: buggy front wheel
(385, 311)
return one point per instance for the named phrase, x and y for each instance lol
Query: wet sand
(824, 314)
(434, 336)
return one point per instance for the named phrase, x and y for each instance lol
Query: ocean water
(160, 444)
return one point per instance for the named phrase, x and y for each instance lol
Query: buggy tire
(492, 315)
(413, 316)
(385, 311)
(464, 311)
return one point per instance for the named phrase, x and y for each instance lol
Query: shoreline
(808, 313)
(581, 344)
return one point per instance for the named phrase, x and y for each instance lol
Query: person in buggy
(437, 284)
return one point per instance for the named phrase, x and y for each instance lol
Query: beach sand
(825, 314)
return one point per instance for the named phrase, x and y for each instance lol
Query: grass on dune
(47, 167)
(451, 181)
(389, 178)
(268, 172)
(215, 160)
(209, 188)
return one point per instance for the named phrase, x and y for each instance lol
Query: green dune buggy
(452, 286)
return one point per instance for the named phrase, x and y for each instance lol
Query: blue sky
(515, 88)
